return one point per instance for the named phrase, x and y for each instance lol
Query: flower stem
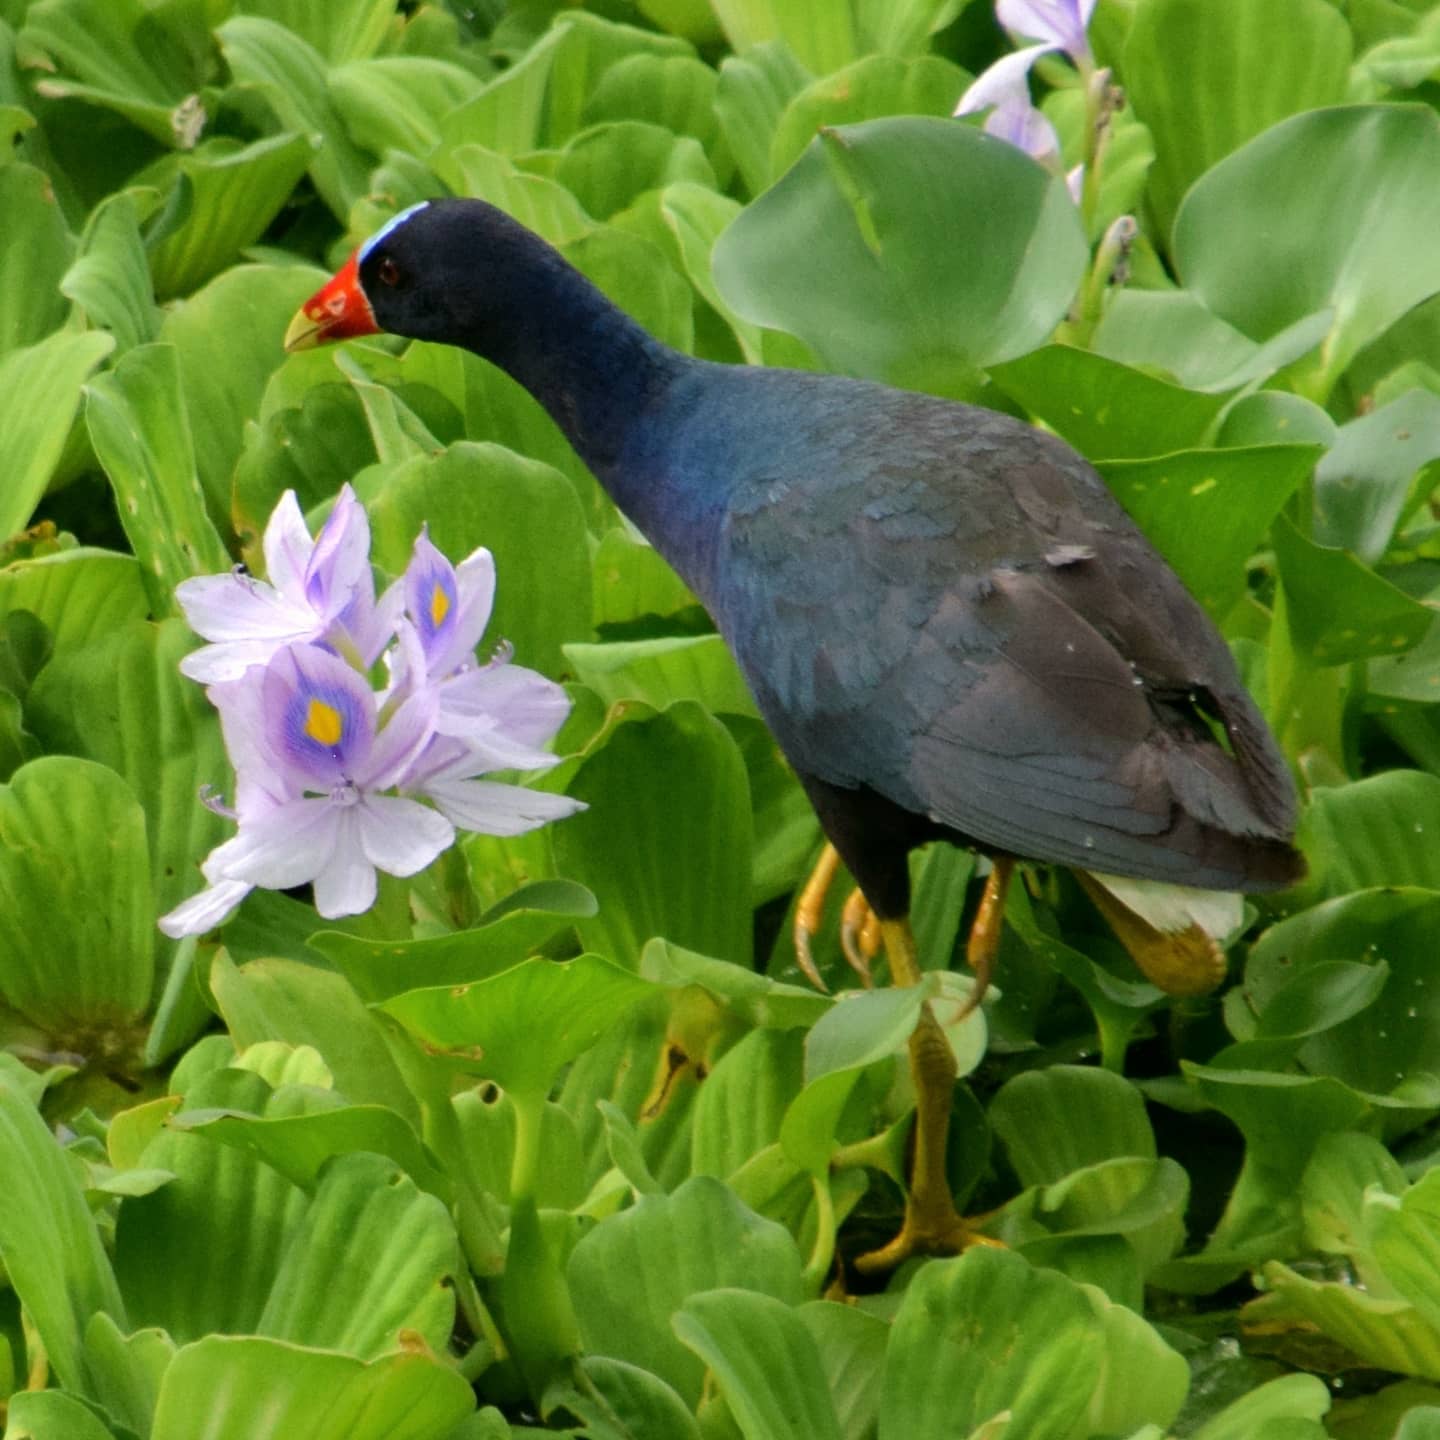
(539, 1316)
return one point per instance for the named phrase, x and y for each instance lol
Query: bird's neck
(595, 370)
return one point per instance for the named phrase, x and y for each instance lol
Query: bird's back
(948, 607)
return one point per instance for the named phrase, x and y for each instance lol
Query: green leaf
(42, 386)
(1106, 409)
(696, 217)
(1030, 1340)
(125, 57)
(871, 87)
(632, 581)
(743, 1100)
(540, 99)
(1282, 1118)
(226, 341)
(861, 1029)
(1171, 331)
(291, 77)
(640, 1402)
(660, 672)
(1333, 1198)
(1325, 210)
(370, 1268)
(141, 433)
(822, 33)
(52, 1415)
(1339, 610)
(852, 1351)
(765, 1363)
(473, 494)
(234, 191)
(753, 91)
(381, 969)
(577, 1002)
(1206, 510)
(1300, 1397)
(121, 701)
(110, 278)
(298, 1146)
(342, 30)
(35, 249)
(396, 102)
(250, 1388)
(675, 92)
(48, 1240)
(631, 1274)
(277, 999)
(1034, 1116)
(1363, 483)
(607, 166)
(1307, 1003)
(77, 953)
(1382, 1331)
(77, 594)
(1383, 934)
(674, 786)
(883, 233)
(201, 1253)
(756, 999)
(1241, 66)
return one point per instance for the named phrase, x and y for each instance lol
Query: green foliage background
(553, 1137)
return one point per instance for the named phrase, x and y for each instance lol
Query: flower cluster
(1004, 89)
(334, 778)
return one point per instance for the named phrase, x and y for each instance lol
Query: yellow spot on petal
(323, 723)
(439, 606)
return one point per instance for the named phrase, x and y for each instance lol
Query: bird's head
(422, 275)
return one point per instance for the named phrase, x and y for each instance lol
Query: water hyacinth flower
(1004, 88)
(1056, 24)
(336, 780)
(319, 589)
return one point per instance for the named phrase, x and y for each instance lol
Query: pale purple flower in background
(319, 590)
(1058, 24)
(1004, 87)
(1004, 90)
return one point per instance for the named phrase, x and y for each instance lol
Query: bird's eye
(388, 271)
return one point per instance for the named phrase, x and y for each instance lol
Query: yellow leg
(810, 910)
(932, 1225)
(983, 946)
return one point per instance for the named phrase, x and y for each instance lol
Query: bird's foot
(810, 912)
(932, 1226)
(860, 936)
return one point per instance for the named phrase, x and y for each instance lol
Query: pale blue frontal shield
(390, 225)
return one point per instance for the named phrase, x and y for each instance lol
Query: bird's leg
(984, 943)
(932, 1225)
(860, 936)
(859, 928)
(810, 910)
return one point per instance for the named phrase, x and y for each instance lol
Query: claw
(810, 911)
(859, 935)
(983, 946)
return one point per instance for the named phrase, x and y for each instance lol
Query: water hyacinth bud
(334, 779)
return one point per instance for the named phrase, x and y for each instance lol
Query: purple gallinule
(952, 628)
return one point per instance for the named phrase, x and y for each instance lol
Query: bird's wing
(1005, 654)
